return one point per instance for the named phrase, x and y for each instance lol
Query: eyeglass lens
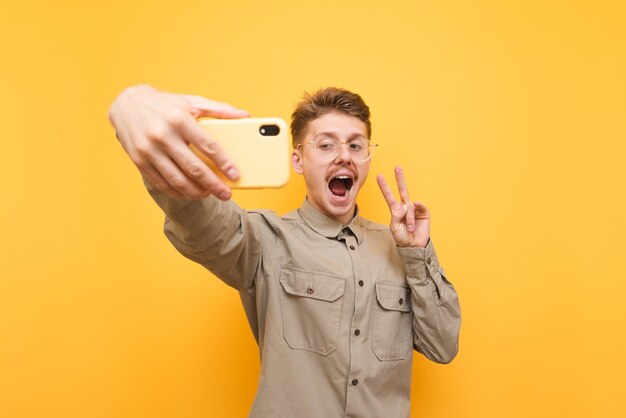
(359, 148)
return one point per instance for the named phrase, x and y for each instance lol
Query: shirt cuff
(421, 263)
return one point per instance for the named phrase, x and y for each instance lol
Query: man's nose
(344, 153)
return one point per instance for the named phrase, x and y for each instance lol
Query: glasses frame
(370, 147)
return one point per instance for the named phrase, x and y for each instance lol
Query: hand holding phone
(155, 129)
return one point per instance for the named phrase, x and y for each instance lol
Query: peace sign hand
(410, 222)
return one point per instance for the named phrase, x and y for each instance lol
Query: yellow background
(508, 117)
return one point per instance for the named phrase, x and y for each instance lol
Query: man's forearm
(435, 303)
(213, 233)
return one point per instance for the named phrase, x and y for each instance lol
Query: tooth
(342, 177)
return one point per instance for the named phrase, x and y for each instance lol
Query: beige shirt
(335, 309)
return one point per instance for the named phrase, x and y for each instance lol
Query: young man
(335, 302)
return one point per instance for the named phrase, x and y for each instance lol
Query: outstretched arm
(155, 129)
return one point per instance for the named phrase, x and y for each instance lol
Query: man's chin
(340, 208)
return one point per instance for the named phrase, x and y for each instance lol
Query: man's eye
(356, 146)
(326, 145)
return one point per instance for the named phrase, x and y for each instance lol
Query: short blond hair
(325, 100)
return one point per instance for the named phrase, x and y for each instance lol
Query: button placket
(358, 343)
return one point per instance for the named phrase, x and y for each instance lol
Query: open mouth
(340, 185)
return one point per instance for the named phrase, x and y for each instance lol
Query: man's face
(332, 184)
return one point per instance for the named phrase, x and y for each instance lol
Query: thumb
(201, 106)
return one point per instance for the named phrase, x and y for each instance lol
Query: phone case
(263, 160)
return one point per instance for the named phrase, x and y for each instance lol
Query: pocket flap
(312, 284)
(394, 296)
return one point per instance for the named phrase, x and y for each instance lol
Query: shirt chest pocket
(311, 309)
(392, 333)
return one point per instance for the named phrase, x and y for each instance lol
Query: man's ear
(296, 162)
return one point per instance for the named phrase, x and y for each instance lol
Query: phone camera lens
(269, 130)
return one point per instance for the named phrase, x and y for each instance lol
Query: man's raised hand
(155, 129)
(410, 222)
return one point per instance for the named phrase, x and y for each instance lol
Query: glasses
(328, 148)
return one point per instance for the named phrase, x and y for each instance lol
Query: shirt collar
(327, 226)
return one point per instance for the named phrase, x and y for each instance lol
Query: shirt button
(401, 301)
(357, 332)
(309, 290)
(428, 260)
(355, 382)
(361, 283)
(352, 247)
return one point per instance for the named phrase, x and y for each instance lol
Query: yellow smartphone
(258, 146)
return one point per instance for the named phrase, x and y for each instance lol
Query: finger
(181, 168)
(193, 133)
(386, 191)
(196, 170)
(403, 190)
(205, 107)
(410, 218)
(421, 211)
(177, 180)
(159, 182)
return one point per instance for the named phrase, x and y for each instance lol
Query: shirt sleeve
(435, 303)
(219, 235)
